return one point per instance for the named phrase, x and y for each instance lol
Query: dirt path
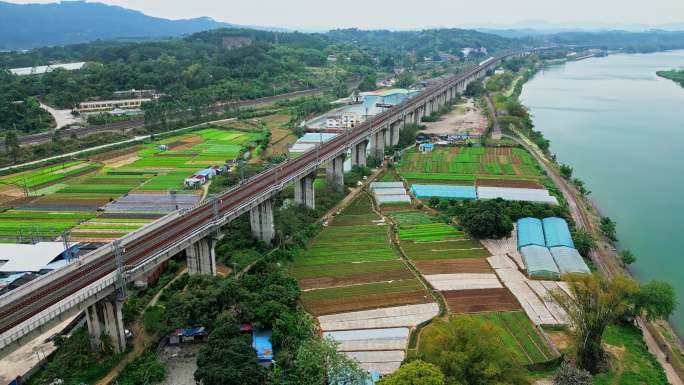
(496, 130)
(141, 340)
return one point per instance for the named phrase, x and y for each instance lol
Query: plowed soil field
(480, 300)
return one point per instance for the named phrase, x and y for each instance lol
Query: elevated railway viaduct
(95, 282)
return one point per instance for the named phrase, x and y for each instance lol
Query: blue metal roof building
(557, 233)
(530, 232)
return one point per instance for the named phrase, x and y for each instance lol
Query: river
(621, 128)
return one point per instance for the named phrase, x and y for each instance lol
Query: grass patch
(637, 365)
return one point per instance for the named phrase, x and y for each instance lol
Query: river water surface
(622, 129)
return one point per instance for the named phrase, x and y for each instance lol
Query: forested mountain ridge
(25, 26)
(424, 43)
(205, 67)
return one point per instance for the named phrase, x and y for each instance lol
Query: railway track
(29, 300)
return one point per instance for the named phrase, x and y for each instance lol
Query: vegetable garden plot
(480, 300)
(411, 217)
(468, 163)
(465, 248)
(23, 223)
(345, 274)
(519, 336)
(51, 174)
(429, 232)
(348, 266)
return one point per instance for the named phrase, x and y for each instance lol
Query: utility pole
(120, 278)
(65, 241)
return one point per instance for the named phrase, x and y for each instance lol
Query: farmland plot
(78, 186)
(465, 165)
(520, 336)
(351, 265)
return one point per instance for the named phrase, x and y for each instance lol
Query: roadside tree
(415, 373)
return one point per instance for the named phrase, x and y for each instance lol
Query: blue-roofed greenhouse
(539, 262)
(530, 232)
(557, 233)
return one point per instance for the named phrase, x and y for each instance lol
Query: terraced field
(466, 165)
(351, 266)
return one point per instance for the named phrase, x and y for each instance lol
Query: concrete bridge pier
(104, 318)
(334, 172)
(358, 154)
(261, 221)
(388, 135)
(395, 129)
(201, 256)
(378, 144)
(304, 190)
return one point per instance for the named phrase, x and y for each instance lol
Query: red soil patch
(373, 301)
(453, 266)
(480, 300)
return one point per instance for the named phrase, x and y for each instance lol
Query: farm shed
(557, 233)
(539, 262)
(516, 194)
(444, 191)
(569, 260)
(426, 147)
(530, 232)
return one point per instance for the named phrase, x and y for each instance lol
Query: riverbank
(605, 255)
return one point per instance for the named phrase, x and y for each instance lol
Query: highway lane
(179, 226)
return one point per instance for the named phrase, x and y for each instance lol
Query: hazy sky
(405, 14)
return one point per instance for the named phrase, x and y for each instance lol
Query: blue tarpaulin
(444, 191)
(557, 233)
(261, 342)
(530, 232)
